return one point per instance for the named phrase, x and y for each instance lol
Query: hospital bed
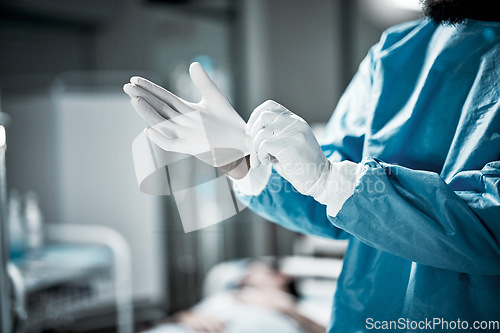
(83, 267)
(315, 277)
(316, 280)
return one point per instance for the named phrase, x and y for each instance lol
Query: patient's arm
(197, 321)
(279, 301)
(305, 323)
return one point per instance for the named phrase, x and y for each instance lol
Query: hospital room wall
(304, 55)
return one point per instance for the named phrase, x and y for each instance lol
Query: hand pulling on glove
(282, 138)
(211, 129)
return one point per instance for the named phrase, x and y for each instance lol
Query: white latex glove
(210, 130)
(284, 139)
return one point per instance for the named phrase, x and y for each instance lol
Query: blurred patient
(265, 301)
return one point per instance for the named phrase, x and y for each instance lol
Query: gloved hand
(282, 138)
(210, 130)
(286, 140)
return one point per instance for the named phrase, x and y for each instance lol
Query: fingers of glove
(161, 93)
(261, 135)
(264, 120)
(263, 153)
(264, 128)
(267, 106)
(204, 83)
(146, 111)
(273, 149)
(160, 106)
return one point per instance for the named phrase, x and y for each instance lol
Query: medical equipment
(16, 227)
(84, 178)
(33, 220)
(5, 307)
(84, 268)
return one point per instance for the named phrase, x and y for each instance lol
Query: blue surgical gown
(422, 115)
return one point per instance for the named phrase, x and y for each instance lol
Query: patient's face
(260, 275)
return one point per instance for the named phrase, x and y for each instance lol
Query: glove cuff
(336, 185)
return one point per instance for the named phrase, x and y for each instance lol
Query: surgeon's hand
(210, 130)
(282, 138)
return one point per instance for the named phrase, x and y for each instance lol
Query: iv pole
(4, 243)
(5, 310)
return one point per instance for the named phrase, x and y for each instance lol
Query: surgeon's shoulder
(413, 31)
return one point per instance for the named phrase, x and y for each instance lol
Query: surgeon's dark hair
(454, 12)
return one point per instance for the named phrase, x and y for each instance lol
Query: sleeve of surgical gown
(281, 203)
(415, 214)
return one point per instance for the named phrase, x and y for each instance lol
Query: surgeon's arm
(417, 215)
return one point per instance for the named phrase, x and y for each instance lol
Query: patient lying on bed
(264, 301)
